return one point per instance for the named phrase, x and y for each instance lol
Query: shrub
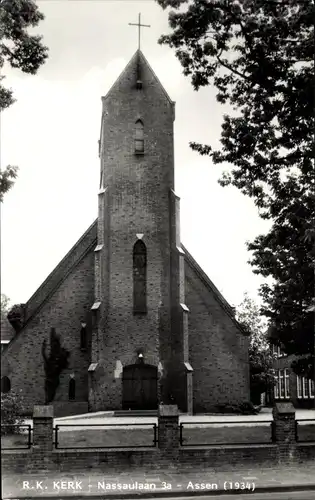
(11, 412)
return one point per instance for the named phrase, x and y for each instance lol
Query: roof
(137, 58)
(210, 285)
(7, 330)
(83, 246)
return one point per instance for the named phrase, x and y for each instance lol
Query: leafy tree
(7, 179)
(20, 50)
(259, 56)
(260, 357)
(54, 364)
(4, 304)
(11, 412)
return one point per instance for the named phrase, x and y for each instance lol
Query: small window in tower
(72, 389)
(139, 141)
(83, 337)
(139, 278)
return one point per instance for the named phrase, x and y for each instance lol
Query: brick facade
(189, 332)
(299, 397)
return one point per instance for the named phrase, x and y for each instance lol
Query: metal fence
(208, 433)
(80, 437)
(16, 437)
(305, 430)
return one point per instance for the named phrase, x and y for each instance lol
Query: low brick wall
(42, 456)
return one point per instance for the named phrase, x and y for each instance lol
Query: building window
(276, 388)
(286, 383)
(71, 389)
(139, 141)
(282, 386)
(83, 337)
(299, 386)
(5, 384)
(305, 387)
(139, 277)
(277, 351)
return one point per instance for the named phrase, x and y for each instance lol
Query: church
(138, 320)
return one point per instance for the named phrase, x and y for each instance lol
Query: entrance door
(140, 387)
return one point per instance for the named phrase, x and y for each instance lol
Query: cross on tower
(139, 27)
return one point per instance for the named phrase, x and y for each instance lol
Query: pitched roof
(7, 330)
(137, 58)
(211, 286)
(60, 273)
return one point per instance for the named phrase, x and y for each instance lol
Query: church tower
(137, 333)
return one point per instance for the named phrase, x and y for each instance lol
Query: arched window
(139, 142)
(5, 384)
(71, 389)
(139, 278)
(83, 337)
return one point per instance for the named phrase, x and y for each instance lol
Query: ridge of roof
(137, 54)
(210, 285)
(64, 268)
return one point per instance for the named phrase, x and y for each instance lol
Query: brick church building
(141, 321)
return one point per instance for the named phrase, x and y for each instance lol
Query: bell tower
(136, 293)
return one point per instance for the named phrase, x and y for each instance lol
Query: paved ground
(107, 418)
(157, 483)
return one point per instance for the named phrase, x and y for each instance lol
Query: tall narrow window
(281, 384)
(305, 387)
(83, 337)
(299, 386)
(286, 383)
(276, 387)
(312, 391)
(139, 142)
(139, 278)
(71, 389)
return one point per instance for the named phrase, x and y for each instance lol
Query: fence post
(168, 431)
(43, 418)
(284, 431)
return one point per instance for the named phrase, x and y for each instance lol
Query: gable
(73, 258)
(201, 276)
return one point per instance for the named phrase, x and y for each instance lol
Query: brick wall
(137, 197)
(167, 455)
(285, 362)
(218, 350)
(22, 361)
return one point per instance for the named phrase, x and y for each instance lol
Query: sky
(52, 134)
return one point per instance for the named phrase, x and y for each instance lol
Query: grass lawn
(306, 432)
(226, 434)
(14, 441)
(238, 434)
(124, 437)
(107, 437)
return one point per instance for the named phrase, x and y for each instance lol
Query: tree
(258, 54)
(20, 50)
(12, 406)
(54, 364)
(4, 304)
(260, 357)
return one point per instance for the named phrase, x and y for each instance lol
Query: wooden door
(140, 387)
